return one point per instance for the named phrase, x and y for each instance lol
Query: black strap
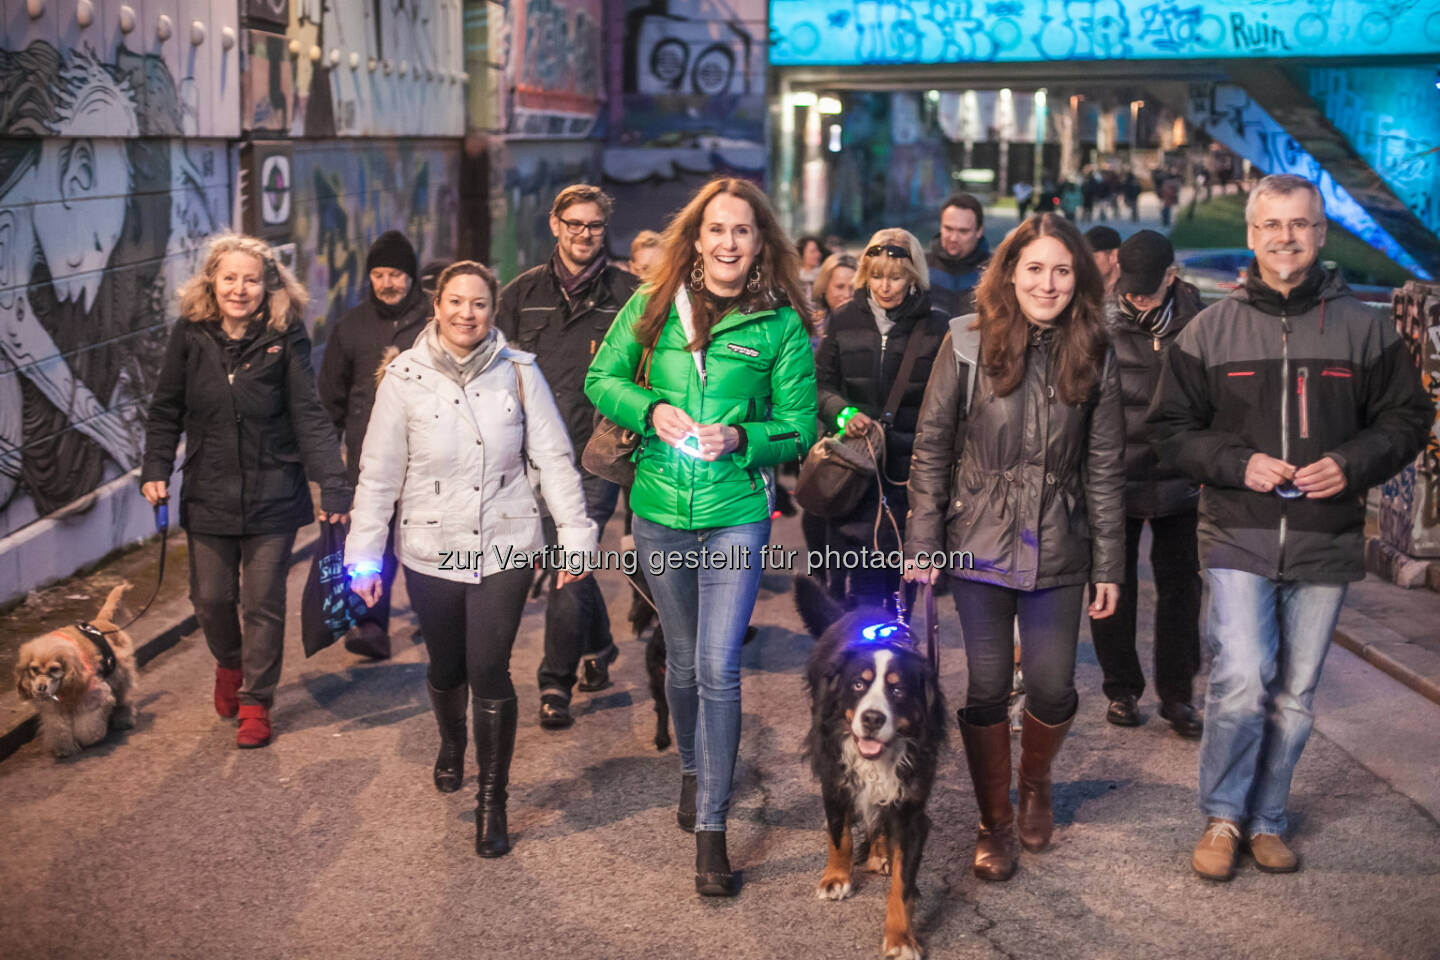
(902, 379)
(107, 653)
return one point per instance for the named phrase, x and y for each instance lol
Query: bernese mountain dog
(876, 732)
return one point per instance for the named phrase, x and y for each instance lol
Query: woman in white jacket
(461, 426)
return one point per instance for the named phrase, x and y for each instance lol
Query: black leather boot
(494, 745)
(712, 866)
(450, 707)
(685, 812)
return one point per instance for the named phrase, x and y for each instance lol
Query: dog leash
(932, 622)
(162, 525)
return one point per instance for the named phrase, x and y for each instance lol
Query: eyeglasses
(1280, 226)
(892, 250)
(577, 227)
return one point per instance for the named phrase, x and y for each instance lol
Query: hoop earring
(697, 275)
(754, 285)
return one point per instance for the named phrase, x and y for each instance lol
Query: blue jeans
(704, 613)
(1269, 640)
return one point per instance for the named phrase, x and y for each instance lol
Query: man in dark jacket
(1288, 400)
(392, 314)
(958, 255)
(1153, 307)
(560, 311)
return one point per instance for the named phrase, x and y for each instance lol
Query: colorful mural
(346, 194)
(524, 183)
(554, 67)
(1410, 502)
(1391, 117)
(1229, 114)
(841, 32)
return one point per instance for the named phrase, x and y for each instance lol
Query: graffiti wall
(1391, 117)
(1410, 502)
(103, 213)
(839, 32)
(347, 193)
(381, 68)
(1229, 114)
(554, 67)
(525, 180)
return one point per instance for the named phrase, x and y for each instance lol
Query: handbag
(328, 607)
(837, 470)
(608, 452)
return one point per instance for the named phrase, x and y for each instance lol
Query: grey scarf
(461, 370)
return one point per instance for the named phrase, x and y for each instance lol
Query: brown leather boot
(987, 752)
(1039, 742)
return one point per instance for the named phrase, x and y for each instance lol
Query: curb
(1372, 652)
(23, 731)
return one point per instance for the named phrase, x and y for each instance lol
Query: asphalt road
(169, 842)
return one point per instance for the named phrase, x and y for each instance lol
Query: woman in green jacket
(731, 394)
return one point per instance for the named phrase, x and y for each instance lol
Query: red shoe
(254, 727)
(227, 691)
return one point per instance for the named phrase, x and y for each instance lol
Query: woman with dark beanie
(1036, 495)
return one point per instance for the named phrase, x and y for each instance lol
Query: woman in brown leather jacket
(1029, 480)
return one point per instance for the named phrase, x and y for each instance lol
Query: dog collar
(107, 653)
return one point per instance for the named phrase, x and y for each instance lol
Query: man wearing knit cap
(560, 311)
(1152, 307)
(392, 314)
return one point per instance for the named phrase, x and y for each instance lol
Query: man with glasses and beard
(392, 315)
(560, 311)
(1287, 400)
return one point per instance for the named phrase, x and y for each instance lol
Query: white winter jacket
(453, 459)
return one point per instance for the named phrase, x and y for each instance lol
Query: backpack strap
(967, 351)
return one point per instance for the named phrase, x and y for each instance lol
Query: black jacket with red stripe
(1298, 377)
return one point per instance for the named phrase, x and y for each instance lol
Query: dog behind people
(876, 731)
(81, 680)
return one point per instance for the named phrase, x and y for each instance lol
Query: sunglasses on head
(892, 250)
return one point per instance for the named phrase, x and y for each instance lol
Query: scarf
(460, 369)
(573, 283)
(1155, 322)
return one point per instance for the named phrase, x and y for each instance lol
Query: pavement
(167, 841)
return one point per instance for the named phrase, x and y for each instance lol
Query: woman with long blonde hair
(731, 394)
(236, 380)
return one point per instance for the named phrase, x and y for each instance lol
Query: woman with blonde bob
(857, 366)
(834, 287)
(236, 380)
(1035, 493)
(731, 394)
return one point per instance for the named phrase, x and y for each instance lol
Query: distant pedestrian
(812, 254)
(1130, 189)
(731, 395)
(393, 313)
(834, 287)
(957, 257)
(463, 425)
(560, 311)
(645, 254)
(1287, 400)
(1105, 245)
(1154, 307)
(1023, 191)
(236, 380)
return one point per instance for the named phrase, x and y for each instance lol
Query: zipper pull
(1155, 344)
(231, 376)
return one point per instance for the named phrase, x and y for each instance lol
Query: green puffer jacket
(759, 376)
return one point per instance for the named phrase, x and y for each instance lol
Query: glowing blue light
(364, 570)
(880, 631)
(690, 445)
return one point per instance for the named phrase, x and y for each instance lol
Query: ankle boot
(987, 752)
(713, 877)
(685, 812)
(450, 707)
(494, 745)
(1039, 742)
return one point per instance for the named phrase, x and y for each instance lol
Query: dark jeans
(1175, 559)
(1049, 627)
(470, 628)
(576, 621)
(248, 571)
(378, 616)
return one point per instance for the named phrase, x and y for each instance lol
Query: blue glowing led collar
(890, 631)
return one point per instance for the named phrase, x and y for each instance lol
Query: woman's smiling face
(1044, 279)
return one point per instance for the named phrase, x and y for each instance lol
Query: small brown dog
(63, 673)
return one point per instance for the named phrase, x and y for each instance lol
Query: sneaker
(1124, 712)
(1214, 856)
(555, 713)
(595, 671)
(1271, 855)
(1184, 719)
(254, 726)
